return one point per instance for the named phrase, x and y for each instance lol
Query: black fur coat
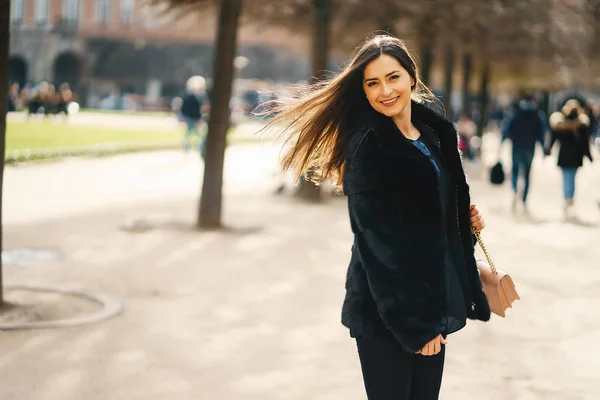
(396, 281)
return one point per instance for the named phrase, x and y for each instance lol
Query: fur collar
(391, 140)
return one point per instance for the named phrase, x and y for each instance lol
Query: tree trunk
(320, 44)
(484, 100)
(320, 52)
(466, 101)
(449, 69)
(426, 61)
(209, 215)
(4, 43)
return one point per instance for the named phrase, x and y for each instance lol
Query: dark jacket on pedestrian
(396, 282)
(191, 105)
(525, 126)
(573, 132)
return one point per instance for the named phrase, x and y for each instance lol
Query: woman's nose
(386, 90)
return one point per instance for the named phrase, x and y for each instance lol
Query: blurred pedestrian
(35, 104)
(571, 127)
(466, 131)
(585, 103)
(524, 126)
(13, 97)
(24, 96)
(191, 110)
(65, 96)
(250, 98)
(412, 278)
(496, 116)
(50, 100)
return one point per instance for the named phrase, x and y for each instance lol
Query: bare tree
(209, 215)
(4, 43)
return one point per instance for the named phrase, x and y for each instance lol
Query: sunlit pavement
(253, 312)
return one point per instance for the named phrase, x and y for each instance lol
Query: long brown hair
(320, 117)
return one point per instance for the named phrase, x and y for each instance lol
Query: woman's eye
(395, 77)
(371, 84)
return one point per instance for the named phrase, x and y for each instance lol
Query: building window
(127, 10)
(103, 11)
(16, 11)
(40, 12)
(70, 10)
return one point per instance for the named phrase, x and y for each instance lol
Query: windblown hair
(320, 118)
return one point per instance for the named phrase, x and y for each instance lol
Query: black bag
(497, 174)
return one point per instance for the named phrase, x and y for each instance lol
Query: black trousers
(391, 373)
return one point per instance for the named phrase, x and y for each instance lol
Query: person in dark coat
(571, 127)
(412, 278)
(525, 125)
(191, 110)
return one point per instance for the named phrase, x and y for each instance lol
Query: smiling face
(387, 86)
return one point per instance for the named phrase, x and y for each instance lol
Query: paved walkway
(253, 312)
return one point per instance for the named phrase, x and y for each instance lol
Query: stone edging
(105, 149)
(111, 308)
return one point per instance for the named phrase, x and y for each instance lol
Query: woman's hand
(433, 347)
(477, 221)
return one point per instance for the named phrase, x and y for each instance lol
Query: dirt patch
(23, 306)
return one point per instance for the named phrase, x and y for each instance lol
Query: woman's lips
(390, 102)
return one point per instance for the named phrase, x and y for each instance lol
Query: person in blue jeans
(572, 129)
(524, 126)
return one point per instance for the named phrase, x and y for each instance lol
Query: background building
(107, 48)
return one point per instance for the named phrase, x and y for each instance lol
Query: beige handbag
(497, 285)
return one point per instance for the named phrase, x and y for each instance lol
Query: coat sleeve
(412, 323)
(409, 308)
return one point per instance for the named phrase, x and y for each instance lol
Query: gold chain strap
(482, 245)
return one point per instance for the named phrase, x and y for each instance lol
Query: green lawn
(45, 135)
(127, 112)
(39, 140)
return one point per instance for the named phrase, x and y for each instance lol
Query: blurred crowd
(42, 99)
(571, 128)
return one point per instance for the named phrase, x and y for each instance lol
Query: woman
(412, 278)
(571, 127)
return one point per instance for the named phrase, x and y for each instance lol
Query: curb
(111, 308)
